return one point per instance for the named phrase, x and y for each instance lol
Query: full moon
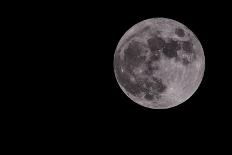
(159, 63)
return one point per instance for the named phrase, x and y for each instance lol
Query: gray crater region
(159, 63)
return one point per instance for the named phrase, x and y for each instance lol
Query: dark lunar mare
(155, 43)
(132, 55)
(187, 46)
(170, 49)
(179, 32)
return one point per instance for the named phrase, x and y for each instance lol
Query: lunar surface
(159, 63)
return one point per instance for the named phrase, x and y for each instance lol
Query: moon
(159, 63)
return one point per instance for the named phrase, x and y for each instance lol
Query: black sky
(75, 52)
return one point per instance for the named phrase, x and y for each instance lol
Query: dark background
(90, 95)
(103, 106)
(86, 37)
(65, 75)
